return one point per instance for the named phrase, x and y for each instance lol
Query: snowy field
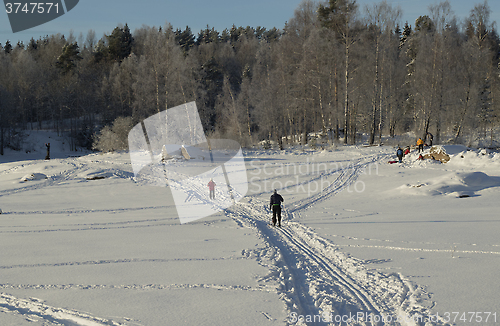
(363, 242)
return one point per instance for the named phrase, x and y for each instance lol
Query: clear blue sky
(103, 15)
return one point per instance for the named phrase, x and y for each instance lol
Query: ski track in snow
(346, 177)
(76, 170)
(35, 310)
(314, 278)
(310, 274)
(93, 226)
(116, 261)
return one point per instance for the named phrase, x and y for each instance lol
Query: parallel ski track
(346, 178)
(316, 175)
(293, 249)
(333, 272)
(75, 168)
(50, 181)
(34, 310)
(294, 286)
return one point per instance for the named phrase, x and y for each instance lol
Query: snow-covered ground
(86, 243)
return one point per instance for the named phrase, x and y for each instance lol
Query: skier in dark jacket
(275, 206)
(47, 157)
(430, 137)
(399, 153)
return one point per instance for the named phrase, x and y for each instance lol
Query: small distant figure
(47, 157)
(275, 206)
(420, 144)
(430, 138)
(211, 187)
(407, 150)
(400, 153)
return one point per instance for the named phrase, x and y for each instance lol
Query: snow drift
(457, 184)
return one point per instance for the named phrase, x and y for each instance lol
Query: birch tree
(383, 20)
(341, 17)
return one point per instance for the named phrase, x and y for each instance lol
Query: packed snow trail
(347, 176)
(318, 281)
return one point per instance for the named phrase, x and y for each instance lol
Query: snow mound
(456, 156)
(480, 158)
(453, 149)
(455, 184)
(34, 177)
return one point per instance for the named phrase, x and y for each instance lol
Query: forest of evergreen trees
(333, 68)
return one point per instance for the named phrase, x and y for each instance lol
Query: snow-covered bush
(114, 138)
(14, 139)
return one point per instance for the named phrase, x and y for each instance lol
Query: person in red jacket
(211, 187)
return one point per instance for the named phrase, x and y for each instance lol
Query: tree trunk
(1, 139)
(320, 97)
(381, 96)
(375, 95)
(346, 96)
(462, 116)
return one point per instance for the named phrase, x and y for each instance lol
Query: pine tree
(208, 35)
(119, 44)
(424, 24)
(225, 36)
(33, 45)
(272, 35)
(185, 39)
(405, 35)
(211, 80)
(8, 47)
(70, 55)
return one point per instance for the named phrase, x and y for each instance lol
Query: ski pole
(283, 215)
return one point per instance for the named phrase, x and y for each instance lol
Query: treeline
(334, 68)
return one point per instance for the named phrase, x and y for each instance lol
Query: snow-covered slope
(363, 242)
